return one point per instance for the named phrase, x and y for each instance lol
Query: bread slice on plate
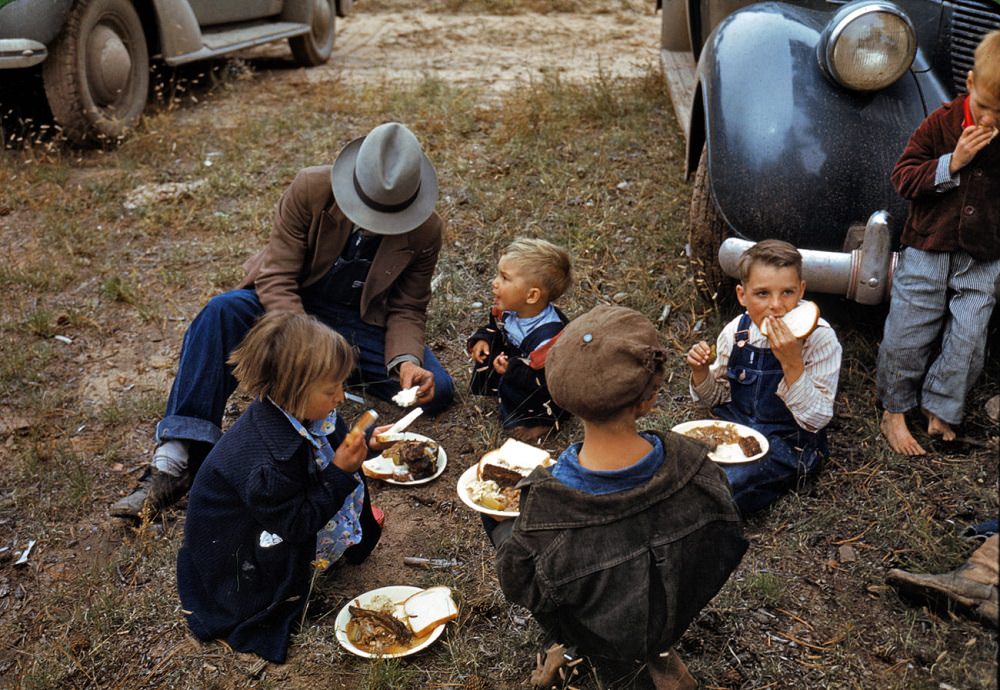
(427, 609)
(801, 321)
(384, 468)
(511, 462)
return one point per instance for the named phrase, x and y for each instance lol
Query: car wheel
(315, 47)
(707, 230)
(97, 74)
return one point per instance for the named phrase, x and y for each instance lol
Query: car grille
(972, 20)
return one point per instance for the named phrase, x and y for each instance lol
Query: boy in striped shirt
(778, 384)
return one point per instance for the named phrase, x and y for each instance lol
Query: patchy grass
(596, 167)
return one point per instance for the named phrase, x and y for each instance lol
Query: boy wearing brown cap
(608, 551)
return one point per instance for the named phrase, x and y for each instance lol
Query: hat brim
(380, 222)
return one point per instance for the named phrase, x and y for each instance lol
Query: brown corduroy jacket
(310, 232)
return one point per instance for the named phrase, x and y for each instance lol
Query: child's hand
(786, 347)
(971, 142)
(351, 453)
(500, 364)
(373, 442)
(480, 350)
(699, 357)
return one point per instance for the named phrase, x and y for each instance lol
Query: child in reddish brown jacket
(947, 274)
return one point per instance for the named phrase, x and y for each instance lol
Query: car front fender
(792, 155)
(25, 19)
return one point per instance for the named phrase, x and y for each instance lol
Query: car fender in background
(795, 113)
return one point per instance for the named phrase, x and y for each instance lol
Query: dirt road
(491, 52)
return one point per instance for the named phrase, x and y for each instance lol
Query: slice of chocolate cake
(749, 446)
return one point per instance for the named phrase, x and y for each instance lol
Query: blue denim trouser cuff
(180, 428)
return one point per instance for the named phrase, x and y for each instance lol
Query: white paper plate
(393, 593)
(467, 478)
(442, 460)
(728, 453)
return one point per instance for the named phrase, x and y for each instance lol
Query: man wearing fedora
(354, 244)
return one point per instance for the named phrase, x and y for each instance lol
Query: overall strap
(540, 335)
(742, 331)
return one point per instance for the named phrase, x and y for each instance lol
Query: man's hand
(786, 347)
(411, 374)
(480, 350)
(351, 453)
(699, 357)
(500, 364)
(971, 142)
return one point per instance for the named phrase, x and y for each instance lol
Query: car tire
(315, 47)
(97, 74)
(706, 231)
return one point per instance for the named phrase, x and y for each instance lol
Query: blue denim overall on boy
(754, 374)
(204, 382)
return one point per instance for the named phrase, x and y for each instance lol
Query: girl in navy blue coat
(273, 496)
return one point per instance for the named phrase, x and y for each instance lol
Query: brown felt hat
(603, 362)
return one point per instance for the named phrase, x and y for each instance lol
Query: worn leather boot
(971, 589)
(130, 506)
(166, 489)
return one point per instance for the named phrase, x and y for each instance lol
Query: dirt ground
(96, 604)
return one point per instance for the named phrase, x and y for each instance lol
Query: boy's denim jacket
(622, 575)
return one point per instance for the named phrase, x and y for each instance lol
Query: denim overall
(522, 392)
(204, 382)
(754, 374)
(340, 289)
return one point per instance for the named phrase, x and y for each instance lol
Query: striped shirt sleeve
(810, 399)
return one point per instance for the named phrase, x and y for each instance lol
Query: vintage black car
(95, 54)
(795, 113)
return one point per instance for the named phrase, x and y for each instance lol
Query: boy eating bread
(581, 553)
(776, 383)
(947, 274)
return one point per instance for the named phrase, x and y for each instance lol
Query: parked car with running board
(95, 54)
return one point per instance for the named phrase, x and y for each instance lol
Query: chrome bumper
(16, 53)
(863, 275)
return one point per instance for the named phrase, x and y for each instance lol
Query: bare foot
(938, 427)
(898, 435)
(528, 434)
(554, 667)
(670, 673)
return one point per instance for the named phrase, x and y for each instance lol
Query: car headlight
(867, 46)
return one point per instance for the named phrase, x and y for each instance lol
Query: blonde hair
(986, 70)
(285, 354)
(544, 262)
(774, 253)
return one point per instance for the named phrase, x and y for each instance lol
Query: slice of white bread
(384, 468)
(801, 321)
(406, 397)
(511, 461)
(427, 609)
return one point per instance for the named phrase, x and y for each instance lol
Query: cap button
(587, 337)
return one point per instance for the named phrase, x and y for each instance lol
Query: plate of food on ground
(733, 443)
(409, 459)
(394, 621)
(489, 485)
